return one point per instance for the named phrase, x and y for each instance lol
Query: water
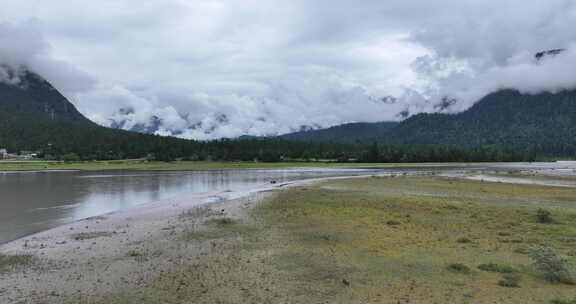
(32, 202)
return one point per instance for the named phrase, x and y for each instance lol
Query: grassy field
(381, 240)
(422, 240)
(176, 165)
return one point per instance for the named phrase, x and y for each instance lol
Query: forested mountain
(351, 133)
(34, 116)
(29, 95)
(545, 122)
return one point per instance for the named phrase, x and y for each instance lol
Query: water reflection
(31, 202)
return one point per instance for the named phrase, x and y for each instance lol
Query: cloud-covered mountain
(202, 69)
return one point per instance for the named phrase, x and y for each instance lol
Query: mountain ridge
(545, 122)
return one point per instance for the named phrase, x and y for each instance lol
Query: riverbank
(408, 239)
(143, 165)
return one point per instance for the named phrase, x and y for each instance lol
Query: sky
(207, 69)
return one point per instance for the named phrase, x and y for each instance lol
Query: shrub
(458, 268)
(544, 216)
(510, 280)
(464, 240)
(493, 267)
(224, 221)
(553, 267)
(135, 253)
(393, 223)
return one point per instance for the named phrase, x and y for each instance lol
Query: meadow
(382, 240)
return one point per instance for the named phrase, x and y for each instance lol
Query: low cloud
(208, 69)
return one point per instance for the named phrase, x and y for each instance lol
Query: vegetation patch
(510, 280)
(9, 262)
(560, 301)
(544, 216)
(82, 236)
(493, 267)
(553, 267)
(218, 228)
(464, 240)
(459, 268)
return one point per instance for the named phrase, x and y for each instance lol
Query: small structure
(27, 155)
(3, 153)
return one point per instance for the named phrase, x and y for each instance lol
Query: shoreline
(112, 249)
(200, 199)
(167, 207)
(93, 259)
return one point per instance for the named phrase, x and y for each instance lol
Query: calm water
(32, 202)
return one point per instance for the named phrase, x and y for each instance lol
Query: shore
(337, 240)
(143, 165)
(105, 254)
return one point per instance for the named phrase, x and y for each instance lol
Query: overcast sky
(224, 68)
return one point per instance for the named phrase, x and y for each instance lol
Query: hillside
(545, 122)
(35, 116)
(351, 133)
(33, 96)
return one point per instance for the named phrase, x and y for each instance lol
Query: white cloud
(223, 68)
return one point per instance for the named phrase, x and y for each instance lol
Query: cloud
(24, 46)
(223, 68)
(478, 48)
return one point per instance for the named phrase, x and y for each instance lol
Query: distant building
(3, 153)
(27, 155)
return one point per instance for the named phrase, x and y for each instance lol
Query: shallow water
(32, 202)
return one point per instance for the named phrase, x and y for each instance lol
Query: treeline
(78, 141)
(438, 153)
(544, 122)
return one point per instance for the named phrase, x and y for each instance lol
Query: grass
(493, 267)
(459, 268)
(216, 229)
(11, 262)
(510, 280)
(378, 240)
(563, 301)
(420, 260)
(181, 165)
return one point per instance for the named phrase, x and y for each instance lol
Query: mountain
(29, 95)
(545, 122)
(34, 116)
(351, 133)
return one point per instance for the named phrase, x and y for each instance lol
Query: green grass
(422, 258)
(493, 267)
(180, 165)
